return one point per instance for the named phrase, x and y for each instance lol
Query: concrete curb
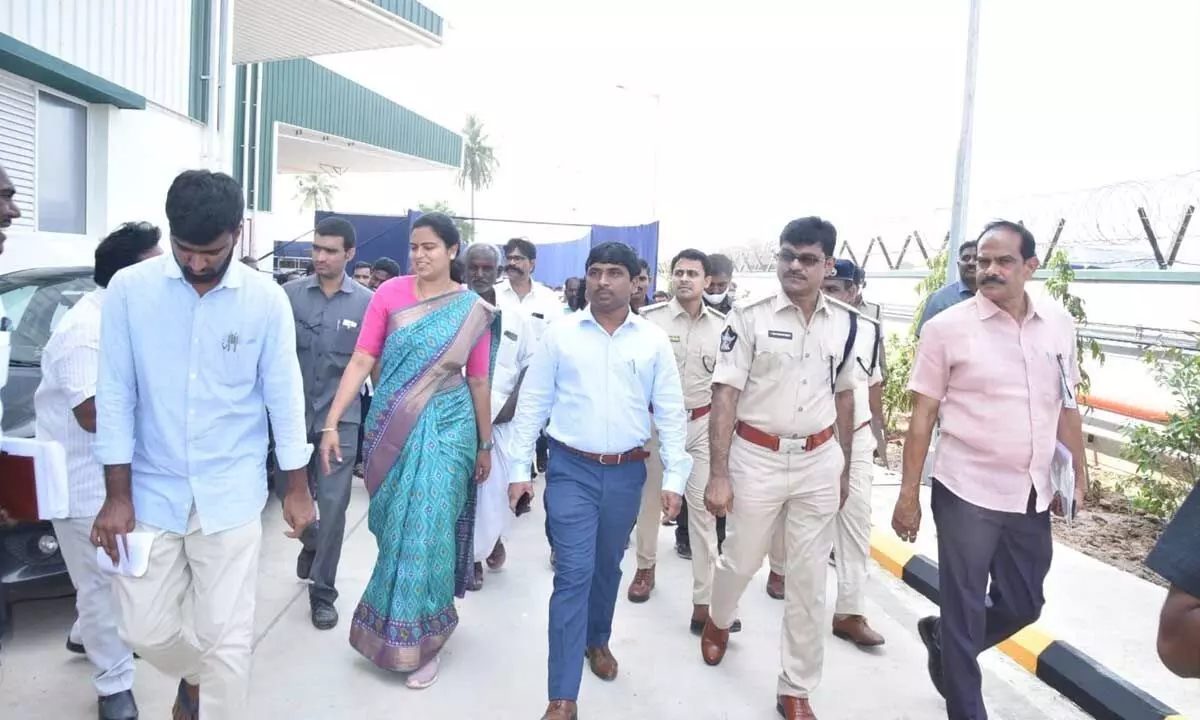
(1079, 678)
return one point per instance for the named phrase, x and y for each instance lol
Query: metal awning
(300, 151)
(266, 30)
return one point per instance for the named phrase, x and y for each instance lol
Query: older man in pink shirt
(1001, 370)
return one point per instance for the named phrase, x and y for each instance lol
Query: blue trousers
(592, 509)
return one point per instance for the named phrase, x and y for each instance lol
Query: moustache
(992, 280)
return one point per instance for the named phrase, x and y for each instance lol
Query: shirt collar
(231, 279)
(588, 317)
(989, 309)
(962, 289)
(312, 281)
(677, 308)
(782, 301)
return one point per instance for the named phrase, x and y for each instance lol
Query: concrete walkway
(494, 667)
(1108, 614)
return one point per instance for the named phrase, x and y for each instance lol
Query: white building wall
(141, 45)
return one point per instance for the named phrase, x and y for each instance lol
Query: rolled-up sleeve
(670, 419)
(116, 382)
(283, 386)
(736, 351)
(533, 407)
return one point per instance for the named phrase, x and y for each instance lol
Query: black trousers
(681, 529)
(1014, 550)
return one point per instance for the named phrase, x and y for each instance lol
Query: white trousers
(852, 529)
(96, 608)
(799, 491)
(493, 515)
(214, 577)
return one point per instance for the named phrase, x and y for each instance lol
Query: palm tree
(466, 229)
(479, 159)
(315, 191)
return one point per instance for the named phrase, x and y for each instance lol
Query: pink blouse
(398, 293)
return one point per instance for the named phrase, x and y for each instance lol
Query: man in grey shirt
(953, 293)
(329, 307)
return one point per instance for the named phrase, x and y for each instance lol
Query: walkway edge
(1079, 678)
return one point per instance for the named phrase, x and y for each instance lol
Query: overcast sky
(771, 109)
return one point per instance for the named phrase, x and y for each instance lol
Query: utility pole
(962, 171)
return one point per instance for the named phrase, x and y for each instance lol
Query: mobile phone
(523, 504)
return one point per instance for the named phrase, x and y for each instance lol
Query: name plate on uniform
(781, 334)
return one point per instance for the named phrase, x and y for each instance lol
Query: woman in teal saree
(423, 453)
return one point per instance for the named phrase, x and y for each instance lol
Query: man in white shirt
(536, 301)
(65, 404)
(512, 347)
(595, 376)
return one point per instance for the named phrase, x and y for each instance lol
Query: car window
(35, 310)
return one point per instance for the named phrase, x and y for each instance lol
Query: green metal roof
(28, 62)
(414, 12)
(308, 95)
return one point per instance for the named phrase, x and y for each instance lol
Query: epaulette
(760, 301)
(654, 306)
(720, 315)
(850, 308)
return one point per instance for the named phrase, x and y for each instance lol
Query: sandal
(186, 706)
(424, 676)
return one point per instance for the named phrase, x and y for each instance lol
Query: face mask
(716, 299)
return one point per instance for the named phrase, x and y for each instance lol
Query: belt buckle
(793, 445)
(600, 459)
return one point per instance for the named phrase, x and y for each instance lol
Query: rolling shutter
(18, 121)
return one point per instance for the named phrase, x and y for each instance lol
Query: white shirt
(597, 390)
(70, 364)
(512, 356)
(541, 304)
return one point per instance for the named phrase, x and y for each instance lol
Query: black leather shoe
(324, 615)
(75, 647)
(683, 550)
(304, 563)
(120, 706)
(927, 628)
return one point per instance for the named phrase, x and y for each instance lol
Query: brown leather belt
(697, 413)
(749, 433)
(862, 425)
(610, 458)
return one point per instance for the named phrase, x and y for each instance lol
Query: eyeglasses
(808, 260)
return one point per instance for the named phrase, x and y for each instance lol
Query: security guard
(694, 330)
(329, 308)
(780, 439)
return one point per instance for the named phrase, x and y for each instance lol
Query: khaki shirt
(695, 345)
(784, 367)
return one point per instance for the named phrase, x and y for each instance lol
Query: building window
(61, 165)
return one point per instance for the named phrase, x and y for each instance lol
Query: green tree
(479, 159)
(1058, 286)
(466, 228)
(315, 191)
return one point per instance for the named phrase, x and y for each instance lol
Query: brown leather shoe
(561, 710)
(476, 582)
(713, 643)
(643, 583)
(700, 617)
(602, 662)
(187, 702)
(775, 586)
(794, 708)
(496, 560)
(855, 629)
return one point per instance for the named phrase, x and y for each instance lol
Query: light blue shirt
(597, 390)
(946, 297)
(184, 387)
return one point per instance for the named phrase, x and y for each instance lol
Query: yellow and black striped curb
(1062, 666)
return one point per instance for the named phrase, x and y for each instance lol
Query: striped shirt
(69, 367)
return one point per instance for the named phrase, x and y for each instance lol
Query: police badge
(728, 338)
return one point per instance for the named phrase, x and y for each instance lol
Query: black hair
(1028, 244)
(580, 297)
(968, 245)
(615, 253)
(719, 264)
(361, 264)
(447, 232)
(122, 248)
(337, 227)
(643, 265)
(810, 231)
(522, 246)
(692, 254)
(201, 205)
(388, 265)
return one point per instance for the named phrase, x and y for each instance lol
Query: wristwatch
(486, 446)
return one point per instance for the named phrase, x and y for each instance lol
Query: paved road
(495, 665)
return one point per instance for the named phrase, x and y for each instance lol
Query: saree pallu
(421, 444)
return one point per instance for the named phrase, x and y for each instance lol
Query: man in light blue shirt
(194, 351)
(600, 376)
(953, 293)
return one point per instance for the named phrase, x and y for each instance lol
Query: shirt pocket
(773, 357)
(237, 355)
(344, 340)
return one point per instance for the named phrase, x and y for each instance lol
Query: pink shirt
(1001, 391)
(399, 293)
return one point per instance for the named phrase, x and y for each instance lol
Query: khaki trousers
(798, 490)
(852, 529)
(213, 576)
(649, 519)
(702, 525)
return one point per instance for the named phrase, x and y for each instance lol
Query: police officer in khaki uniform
(694, 330)
(780, 438)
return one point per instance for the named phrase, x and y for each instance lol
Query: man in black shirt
(1177, 559)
